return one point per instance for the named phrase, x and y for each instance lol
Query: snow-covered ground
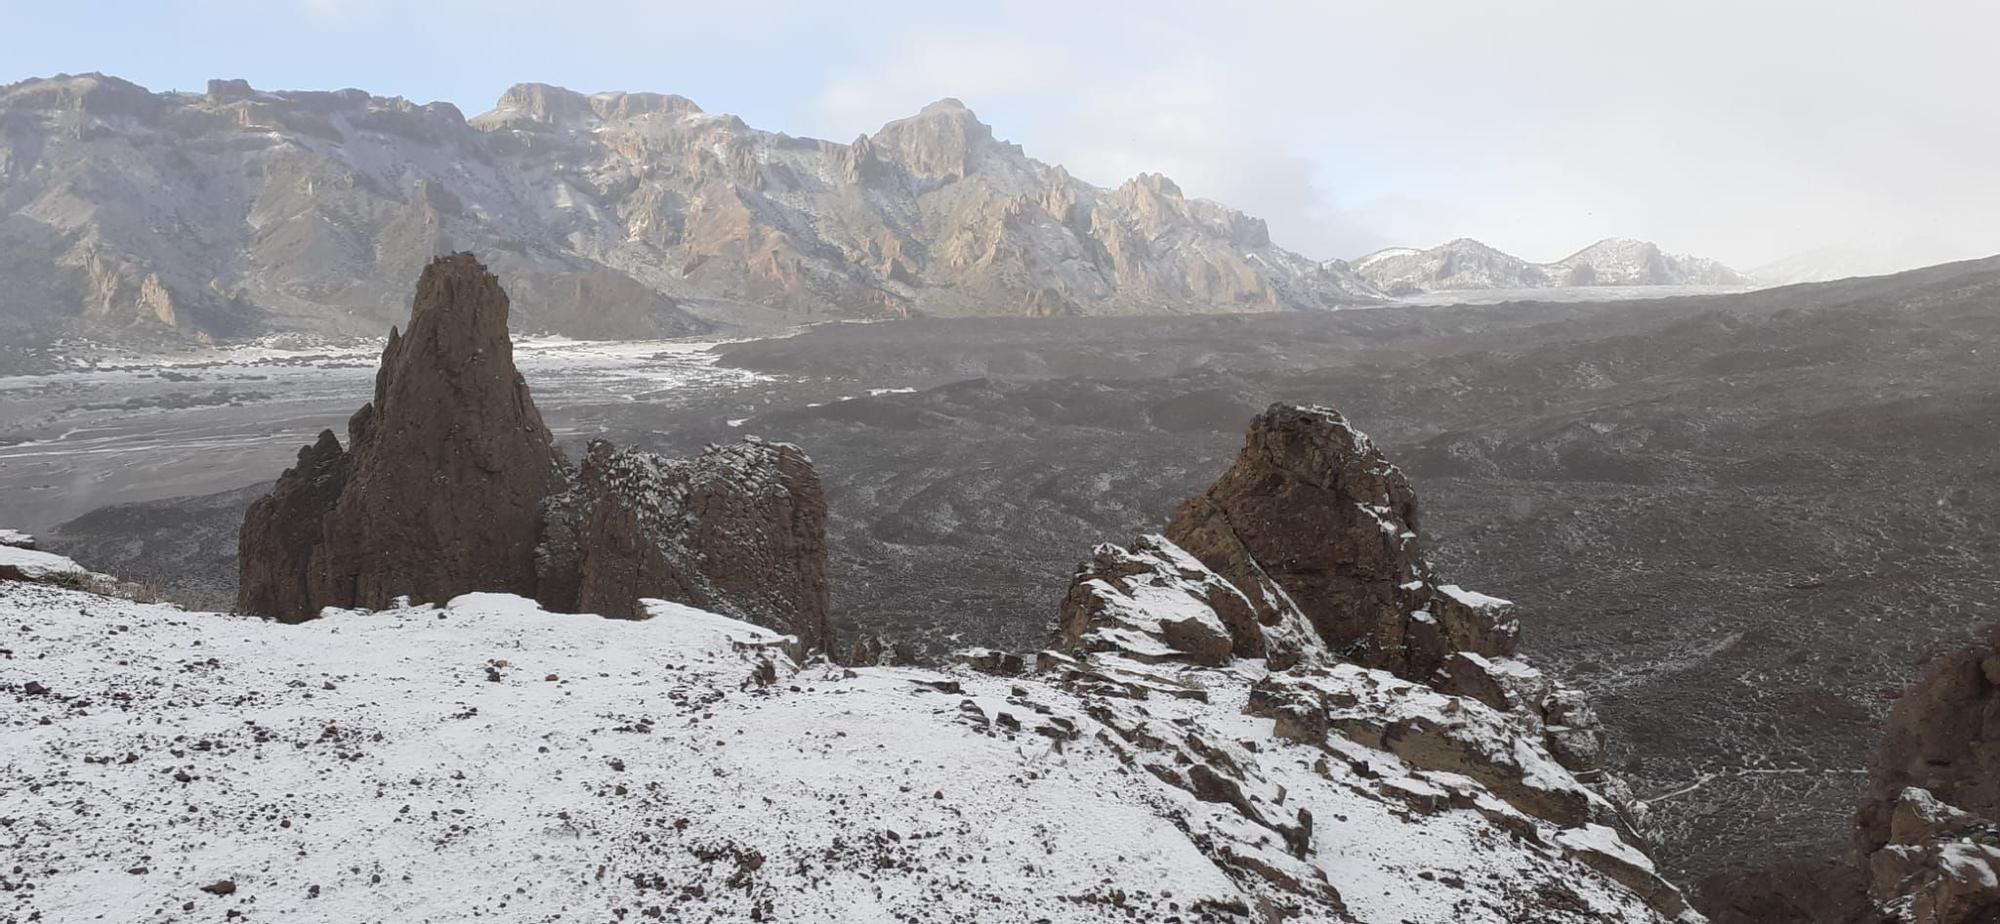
(487, 760)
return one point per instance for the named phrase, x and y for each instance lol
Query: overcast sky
(1742, 130)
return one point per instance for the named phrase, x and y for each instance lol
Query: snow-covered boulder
(26, 564)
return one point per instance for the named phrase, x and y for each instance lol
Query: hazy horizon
(1747, 135)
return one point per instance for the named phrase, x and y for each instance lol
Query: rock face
(451, 484)
(441, 487)
(1300, 569)
(739, 530)
(1312, 517)
(612, 215)
(1930, 833)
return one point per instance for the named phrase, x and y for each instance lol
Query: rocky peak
(452, 484)
(1300, 570)
(944, 140)
(97, 94)
(536, 105)
(1312, 506)
(448, 465)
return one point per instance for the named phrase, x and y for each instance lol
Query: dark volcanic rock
(1311, 506)
(451, 483)
(740, 529)
(440, 491)
(450, 462)
(1944, 737)
(282, 529)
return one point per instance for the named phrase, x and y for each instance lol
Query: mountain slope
(175, 215)
(1466, 264)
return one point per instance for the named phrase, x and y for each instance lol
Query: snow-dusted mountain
(1466, 264)
(1460, 264)
(237, 211)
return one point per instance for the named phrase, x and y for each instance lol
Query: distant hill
(1467, 264)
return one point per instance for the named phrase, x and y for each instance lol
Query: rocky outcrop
(738, 530)
(1311, 515)
(1930, 834)
(440, 489)
(1154, 602)
(451, 483)
(283, 529)
(1943, 737)
(1927, 840)
(1301, 570)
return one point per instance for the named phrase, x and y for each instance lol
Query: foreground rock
(18, 563)
(1930, 834)
(450, 483)
(1300, 570)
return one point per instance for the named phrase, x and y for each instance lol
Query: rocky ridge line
(1301, 567)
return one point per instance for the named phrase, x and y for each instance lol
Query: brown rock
(440, 490)
(740, 530)
(1943, 736)
(451, 484)
(283, 528)
(1312, 516)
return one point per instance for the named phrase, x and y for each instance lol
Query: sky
(1746, 131)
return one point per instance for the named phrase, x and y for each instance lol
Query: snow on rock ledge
(486, 758)
(25, 564)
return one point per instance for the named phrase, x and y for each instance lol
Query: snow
(1472, 598)
(38, 566)
(16, 538)
(1970, 862)
(487, 759)
(1604, 840)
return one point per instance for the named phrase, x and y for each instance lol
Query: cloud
(1106, 119)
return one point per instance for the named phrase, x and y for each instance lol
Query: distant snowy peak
(1460, 264)
(1623, 261)
(1467, 264)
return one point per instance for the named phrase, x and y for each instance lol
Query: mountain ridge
(131, 214)
(1469, 264)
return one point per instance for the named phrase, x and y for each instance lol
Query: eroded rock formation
(1301, 569)
(1312, 517)
(739, 530)
(451, 483)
